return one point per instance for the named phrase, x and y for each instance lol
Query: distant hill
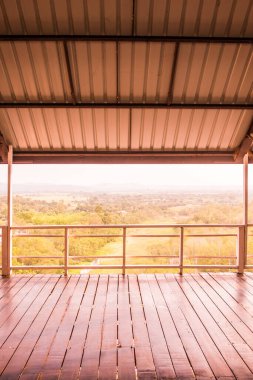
(40, 188)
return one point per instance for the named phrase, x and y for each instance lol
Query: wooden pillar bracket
(3, 149)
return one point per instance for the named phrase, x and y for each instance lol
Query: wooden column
(181, 250)
(66, 250)
(6, 230)
(245, 202)
(243, 231)
(9, 213)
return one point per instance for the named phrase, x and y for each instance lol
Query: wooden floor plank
(6, 284)
(209, 348)
(238, 309)
(247, 279)
(143, 352)
(126, 355)
(55, 356)
(203, 358)
(108, 355)
(144, 327)
(9, 326)
(42, 347)
(236, 292)
(232, 317)
(16, 294)
(243, 287)
(72, 361)
(26, 346)
(162, 359)
(229, 353)
(92, 349)
(226, 325)
(180, 361)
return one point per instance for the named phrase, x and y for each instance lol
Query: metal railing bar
(36, 235)
(209, 235)
(19, 267)
(157, 256)
(129, 226)
(183, 231)
(128, 256)
(80, 236)
(124, 252)
(153, 235)
(211, 266)
(120, 236)
(210, 257)
(38, 257)
(186, 235)
(95, 257)
(181, 251)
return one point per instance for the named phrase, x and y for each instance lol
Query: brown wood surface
(144, 327)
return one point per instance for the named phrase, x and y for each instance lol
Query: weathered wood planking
(75, 348)
(109, 327)
(218, 329)
(108, 354)
(143, 351)
(91, 355)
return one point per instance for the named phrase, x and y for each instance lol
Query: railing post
(240, 251)
(124, 252)
(66, 250)
(181, 250)
(245, 202)
(8, 239)
(5, 258)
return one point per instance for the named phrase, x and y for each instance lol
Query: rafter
(128, 38)
(125, 105)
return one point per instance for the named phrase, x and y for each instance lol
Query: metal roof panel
(108, 129)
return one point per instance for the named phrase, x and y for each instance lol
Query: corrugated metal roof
(73, 71)
(157, 17)
(103, 129)
(139, 71)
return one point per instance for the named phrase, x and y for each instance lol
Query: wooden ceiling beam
(123, 157)
(3, 149)
(245, 147)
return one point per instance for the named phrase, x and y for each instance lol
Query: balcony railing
(180, 232)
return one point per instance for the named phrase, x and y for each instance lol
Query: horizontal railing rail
(181, 232)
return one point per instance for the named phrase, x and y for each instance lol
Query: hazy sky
(169, 175)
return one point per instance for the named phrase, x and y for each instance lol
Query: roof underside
(147, 81)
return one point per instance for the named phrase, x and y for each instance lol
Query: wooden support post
(240, 251)
(66, 251)
(245, 203)
(7, 233)
(181, 251)
(5, 261)
(124, 252)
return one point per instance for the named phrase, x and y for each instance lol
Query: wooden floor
(108, 327)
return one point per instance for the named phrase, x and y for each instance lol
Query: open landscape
(65, 206)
